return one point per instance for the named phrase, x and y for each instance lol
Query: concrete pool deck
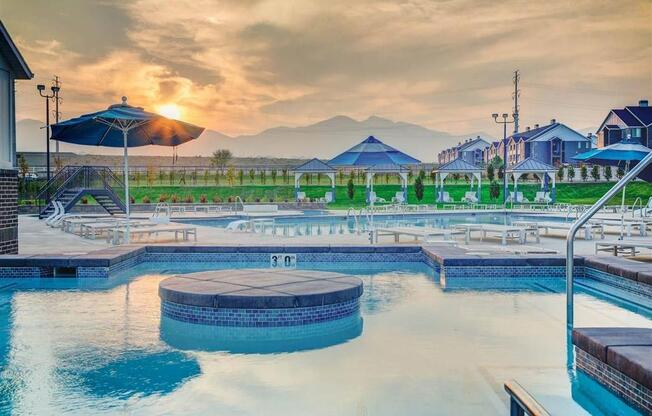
(36, 238)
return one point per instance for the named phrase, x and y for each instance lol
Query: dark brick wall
(8, 211)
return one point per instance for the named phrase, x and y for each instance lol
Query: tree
(494, 190)
(241, 176)
(274, 173)
(497, 163)
(221, 159)
(230, 175)
(286, 177)
(263, 176)
(340, 174)
(620, 172)
(456, 177)
(560, 173)
(584, 173)
(23, 167)
(595, 173)
(418, 187)
(571, 173)
(422, 174)
(491, 173)
(433, 176)
(350, 189)
(252, 175)
(607, 173)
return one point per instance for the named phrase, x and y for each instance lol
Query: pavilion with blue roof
(530, 165)
(375, 157)
(458, 165)
(314, 166)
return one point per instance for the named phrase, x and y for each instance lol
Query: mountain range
(323, 139)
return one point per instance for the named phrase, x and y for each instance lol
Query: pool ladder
(368, 215)
(521, 402)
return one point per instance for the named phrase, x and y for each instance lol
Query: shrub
(595, 173)
(189, 199)
(217, 199)
(132, 200)
(174, 199)
(84, 200)
(418, 187)
(607, 173)
(350, 189)
(257, 199)
(163, 198)
(145, 200)
(584, 173)
(203, 199)
(494, 190)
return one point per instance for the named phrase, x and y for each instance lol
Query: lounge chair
(446, 198)
(186, 231)
(426, 234)
(399, 198)
(328, 197)
(373, 198)
(517, 198)
(622, 246)
(301, 197)
(543, 198)
(162, 213)
(470, 197)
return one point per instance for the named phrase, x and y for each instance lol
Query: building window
(636, 133)
(6, 154)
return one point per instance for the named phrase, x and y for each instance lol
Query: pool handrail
(521, 402)
(570, 238)
(640, 201)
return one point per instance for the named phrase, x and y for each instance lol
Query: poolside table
(588, 228)
(424, 233)
(505, 232)
(628, 224)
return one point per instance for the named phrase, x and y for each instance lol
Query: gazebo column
(442, 177)
(404, 182)
(553, 193)
(369, 178)
(297, 184)
(331, 175)
(479, 186)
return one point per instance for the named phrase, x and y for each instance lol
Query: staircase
(72, 183)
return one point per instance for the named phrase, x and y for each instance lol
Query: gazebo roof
(314, 165)
(372, 152)
(458, 165)
(387, 168)
(531, 165)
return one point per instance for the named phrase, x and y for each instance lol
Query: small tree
(319, 178)
(410, 175)
(273, 174)
(607, 173)
(350, 189)
(340, 175)
(560, 173)
(584, 173)
(217, 177)
(286, 177)
(23, 166)
(494, 190)
(595, 173)
(206, 177)
(491, 173)
(221, 159)
(571, 173)
(263, 176)
(433, 176)
(418, 187)
(252, 176)
(456, 177)
(620, 172)
(422, 174)
(386, 178)
(241, 176)
(230, 175)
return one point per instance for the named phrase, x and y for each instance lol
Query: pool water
(335, 224)
(100, 347)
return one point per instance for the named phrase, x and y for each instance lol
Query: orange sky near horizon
(239, 67)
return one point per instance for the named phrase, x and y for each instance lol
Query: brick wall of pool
(260, 297)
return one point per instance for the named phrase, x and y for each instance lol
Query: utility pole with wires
(515, 95)
(57, 100)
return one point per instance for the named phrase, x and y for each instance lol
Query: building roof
(627, 118)
(9, 50)
(314, 165)
(644, 114)
(458, 165)
(531, 165)
(472, 142)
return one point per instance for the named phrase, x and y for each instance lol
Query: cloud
(242, 66)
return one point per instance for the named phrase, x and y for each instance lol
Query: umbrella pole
(622, 207)
(126, 169)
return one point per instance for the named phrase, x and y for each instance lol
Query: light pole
(55, 90)
(504, 122)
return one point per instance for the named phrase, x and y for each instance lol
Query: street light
(504, 122)
(55, 90)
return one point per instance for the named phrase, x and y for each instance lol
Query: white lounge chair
(446, 198)
(328, 197)
(162, 213)
(373, 198)
(301, 196)
(470, 197)
(399, 198)
(517, 198)
(622, 246)
(543, 198)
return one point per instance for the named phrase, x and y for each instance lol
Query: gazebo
(374, 157)
(456, 166)
(314, 166)
(531, 165)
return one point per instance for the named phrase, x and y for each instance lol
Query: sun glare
(170, 111)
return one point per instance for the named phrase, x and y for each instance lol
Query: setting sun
(170, 111)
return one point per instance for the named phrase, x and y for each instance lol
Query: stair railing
(570, 238)
(640, 202)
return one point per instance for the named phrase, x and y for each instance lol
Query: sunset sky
(245, 65)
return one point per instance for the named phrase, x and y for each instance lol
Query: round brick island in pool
(259, 297)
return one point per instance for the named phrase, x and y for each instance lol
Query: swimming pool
(290, 226)
(100, 346)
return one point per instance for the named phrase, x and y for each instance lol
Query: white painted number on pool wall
(283, 261)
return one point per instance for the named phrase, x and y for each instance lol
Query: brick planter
(8, 211)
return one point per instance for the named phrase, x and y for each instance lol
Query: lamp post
(55, 91)
(504, 122)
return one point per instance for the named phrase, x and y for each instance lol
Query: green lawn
(576, 193)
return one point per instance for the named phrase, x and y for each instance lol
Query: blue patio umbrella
(625, 153)
(123, 125)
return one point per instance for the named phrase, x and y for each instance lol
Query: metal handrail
(235, 206)
(639, 200)
(521, 402)
(570, 238)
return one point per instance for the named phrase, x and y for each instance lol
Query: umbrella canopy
(122, 125)
(625, 151)
(105, 128)
(372, 152)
